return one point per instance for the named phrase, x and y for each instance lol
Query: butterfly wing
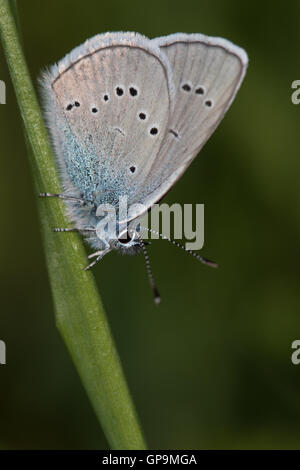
(207, 73)
(127, 114)
(108, 104)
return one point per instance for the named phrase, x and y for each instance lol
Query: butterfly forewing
(112, 103)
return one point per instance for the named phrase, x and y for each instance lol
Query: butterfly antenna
(206, 261)
(157, 298)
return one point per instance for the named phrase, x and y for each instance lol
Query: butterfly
(127, 115)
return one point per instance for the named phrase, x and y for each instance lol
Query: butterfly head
(127, 242)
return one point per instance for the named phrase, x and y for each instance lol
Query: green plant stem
(80, 316)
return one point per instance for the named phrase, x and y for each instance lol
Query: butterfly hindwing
(207, 73)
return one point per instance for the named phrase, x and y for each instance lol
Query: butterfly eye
(132, 169)
(77, 104)
(142, 116)
(106, 97)
(94, 110)
(69, 107)
(125, 237)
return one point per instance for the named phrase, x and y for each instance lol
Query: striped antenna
(157, 298)
(206, 261)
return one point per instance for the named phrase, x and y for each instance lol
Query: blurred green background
(211, 367)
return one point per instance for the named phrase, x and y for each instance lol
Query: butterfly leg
(99, 255)
(65, 196)
(58, 229)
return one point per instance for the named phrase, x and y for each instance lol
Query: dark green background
(211, 366)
